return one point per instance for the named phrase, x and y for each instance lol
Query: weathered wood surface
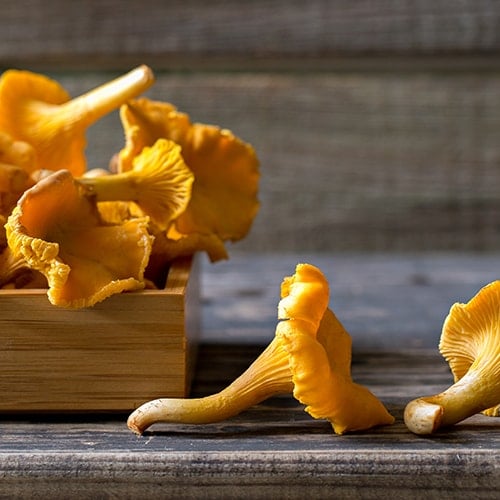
(196, 33)
(274, 450)
(351, 161)
(385, 301)
(375, 122)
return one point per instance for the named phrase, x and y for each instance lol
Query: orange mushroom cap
(58, 232)
(38, 110)
(226, 169)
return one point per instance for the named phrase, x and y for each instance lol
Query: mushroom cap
(59, 233)
(26, 100)
(226, 169)
(470, 338)
(174, 245)
(319, 350)
(38, 110)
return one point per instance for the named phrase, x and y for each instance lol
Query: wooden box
(126, 350)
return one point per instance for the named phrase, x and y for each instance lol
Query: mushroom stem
(123, 186)
(160, 183)
(468, 396)
(267, 376)
(93, 105)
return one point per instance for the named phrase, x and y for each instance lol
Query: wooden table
(275, 449)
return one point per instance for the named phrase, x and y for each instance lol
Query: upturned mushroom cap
(320, 353)
(470, 342)
(226, 169)
(471, 338)
(39, 111)
(58, 232)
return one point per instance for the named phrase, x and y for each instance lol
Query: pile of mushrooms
(176, 188)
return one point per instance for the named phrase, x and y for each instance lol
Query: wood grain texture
(273, 450)
(111, 357)
(185, 33)
(375, 122)
(350, 161)
(385, 301)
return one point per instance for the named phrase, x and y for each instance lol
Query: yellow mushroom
(169, 247)
(38, 110)
(226, 171)
(159, 183)
(59, 233)
(13, 182)
(17, 153)
(470, 342)
(16, 160)
(11, 267)
(309, 356)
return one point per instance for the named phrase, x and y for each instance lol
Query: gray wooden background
(376, 122)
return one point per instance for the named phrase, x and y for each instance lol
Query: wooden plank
(385, 301)
(273, 450)
(112, 32)
(350, 161)
(110, 357)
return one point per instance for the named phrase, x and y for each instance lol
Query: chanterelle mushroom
(159, 182)
(37, 110)
(310, 356)
(470, 342)
(59, 233)
(17, 159)
(226, 172)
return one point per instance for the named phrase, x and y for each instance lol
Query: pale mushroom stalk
(160, 183)
(93, 105)
(267, 376)
(468, 396)
(470, 343)
(115, 187)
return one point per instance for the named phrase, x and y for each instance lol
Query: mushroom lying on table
(310, 356)
(470, 342)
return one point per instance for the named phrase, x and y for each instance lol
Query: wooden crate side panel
(128, 349)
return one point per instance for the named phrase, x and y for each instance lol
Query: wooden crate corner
(128, 349)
